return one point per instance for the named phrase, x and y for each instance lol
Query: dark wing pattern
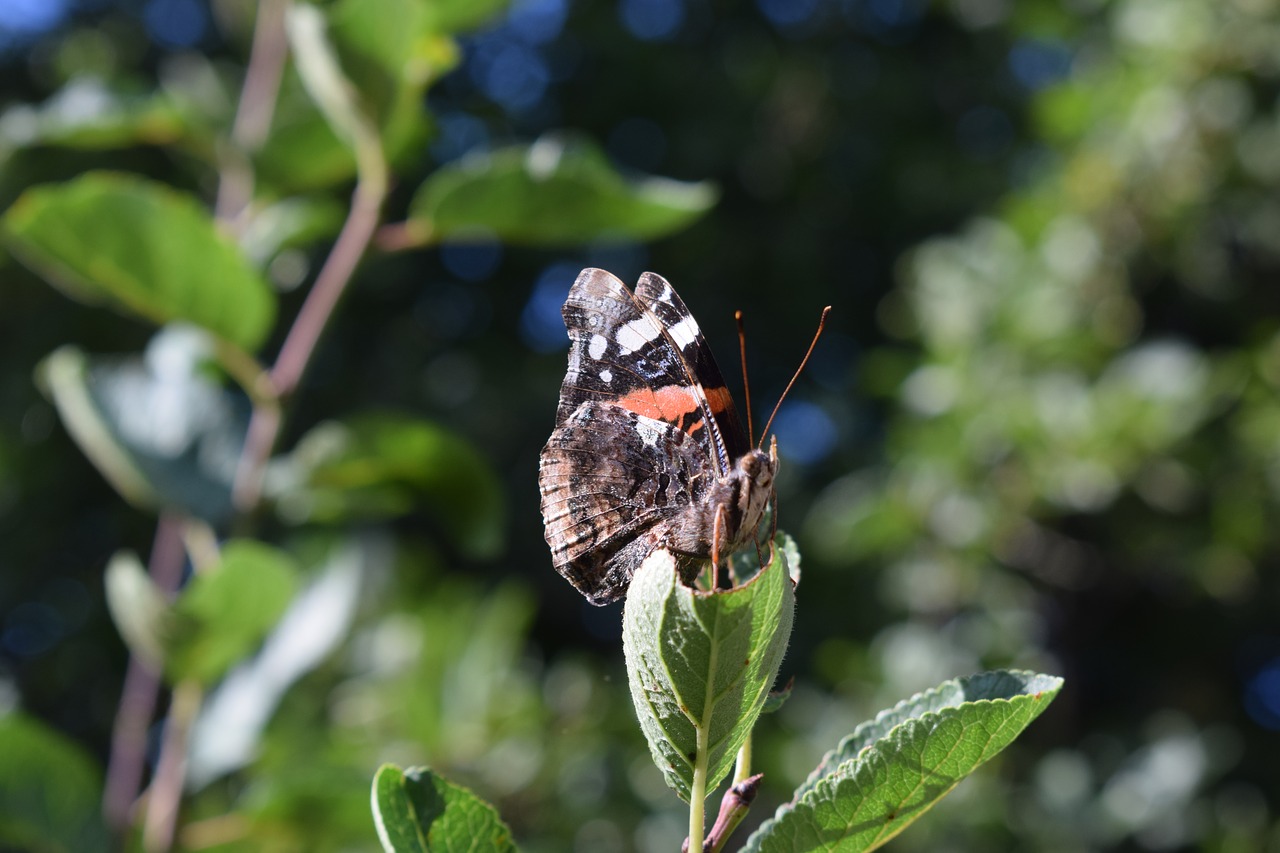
(659, 298)
(645, 353)
(611, 480)
(615, 348)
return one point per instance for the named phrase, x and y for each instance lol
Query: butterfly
(647, 451)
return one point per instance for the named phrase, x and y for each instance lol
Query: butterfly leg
(773, 528)
(773, 504)
(716, 527)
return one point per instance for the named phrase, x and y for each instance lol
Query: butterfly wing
(645, 353)
(725, 431)
(612, 481)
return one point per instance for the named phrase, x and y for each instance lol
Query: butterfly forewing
(660, 299)
(616, 348)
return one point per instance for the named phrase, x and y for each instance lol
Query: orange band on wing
(669, 403)
(719, 399)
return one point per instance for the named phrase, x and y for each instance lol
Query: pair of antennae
(746, 386)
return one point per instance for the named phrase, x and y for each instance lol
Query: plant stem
(733, 810)
(702, 757)
(141, 688)
(300, 343)
(255, 110)
(166, 787)
(742, 769)
(698, 793)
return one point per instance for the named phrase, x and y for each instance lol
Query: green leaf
(302, 152)
(137, 607)
(142, 248)
(891, 770)
(158, 429)
(745, 564)
(322, 74)
(225, 611)
(230, 732)
(387, 465)
(778, 698)
(389, 45)
(50, 791)
(700, 665)
(555, 192)
(291, 222)
(391, 51)
(459, 16)
(418, 811)
(380, 55)
(87, 113)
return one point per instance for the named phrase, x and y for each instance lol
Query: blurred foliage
(1040, 431)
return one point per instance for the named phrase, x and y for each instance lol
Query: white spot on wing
(649, 431)
(685, 332)
(666, 293)
(597, 346)
(632, 336)
(606, 376)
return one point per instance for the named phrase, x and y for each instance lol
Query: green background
(1041, 430)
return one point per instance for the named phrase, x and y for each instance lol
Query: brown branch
(357, 231)
(258, 95)
(300, 343)
(733, 808)
(141, 688)
(164, 797)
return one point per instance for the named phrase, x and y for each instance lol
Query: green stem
(702, 757)
(698, 790)
(742, 769)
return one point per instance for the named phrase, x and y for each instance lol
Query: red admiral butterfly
(648, 451)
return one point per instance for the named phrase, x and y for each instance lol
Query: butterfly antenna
(746, 386)
(822, 322)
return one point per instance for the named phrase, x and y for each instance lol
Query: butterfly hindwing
(608, 478)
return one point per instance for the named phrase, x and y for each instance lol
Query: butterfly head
(752, 479)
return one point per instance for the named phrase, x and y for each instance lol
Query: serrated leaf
(745, 564)
(555, 192)
(700, 665)
(386, 465)
(159, 430)
(50, 791)
(418, 811)
(224, 612)
(890, 771)
(142, 248)
(137, 607)
(778, 698)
